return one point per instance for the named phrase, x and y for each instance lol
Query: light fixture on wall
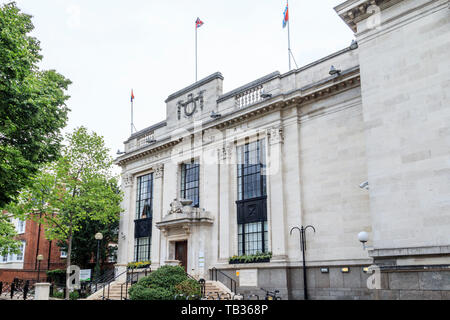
(363, 237)
(265, 95)
(364, 185)
(324, 270)
(215, 115)
(334, 71)
(354, 45)
(365, 269)
(345, 270)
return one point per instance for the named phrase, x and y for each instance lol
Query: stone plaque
(248, 278)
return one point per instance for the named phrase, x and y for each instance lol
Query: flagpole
(132, 125)
(289, 35)
(196, 52)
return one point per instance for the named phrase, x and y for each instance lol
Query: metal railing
(18, 289)
(233, 284)
(131, 279)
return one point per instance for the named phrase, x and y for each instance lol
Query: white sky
(107, 47)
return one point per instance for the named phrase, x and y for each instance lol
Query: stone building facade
(230, 174)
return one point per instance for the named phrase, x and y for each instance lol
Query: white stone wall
(333, 165)
(405, 73)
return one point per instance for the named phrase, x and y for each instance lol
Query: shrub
(188, 287)
(162, 285)
(57, 276)
(72, 296)
(138, 292)
(166, 277)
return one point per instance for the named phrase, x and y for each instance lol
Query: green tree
(7, 233)
(84, 245)
(32, 105)
(32, 110)
(76, 188)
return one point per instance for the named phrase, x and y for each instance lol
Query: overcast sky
(109, 47)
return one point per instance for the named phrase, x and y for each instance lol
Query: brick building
(25, 264)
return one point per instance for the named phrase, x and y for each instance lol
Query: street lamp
(39, 259)
(98, 237)
(303, 247)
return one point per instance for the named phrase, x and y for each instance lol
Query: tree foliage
(77, 188)
(84, 245)
(32, 105)
(7, 234)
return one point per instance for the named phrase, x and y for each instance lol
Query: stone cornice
(354, 11)
(145, 151)
(319, 90)
(194, 86)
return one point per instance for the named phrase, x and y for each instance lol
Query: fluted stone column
(276, 189)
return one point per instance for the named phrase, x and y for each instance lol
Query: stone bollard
(42, 291)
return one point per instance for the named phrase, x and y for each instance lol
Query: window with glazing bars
(144, 197)
(252, 235)
(142, 249)
(251, 161)
(190, 176)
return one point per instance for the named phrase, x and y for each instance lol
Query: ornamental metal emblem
(190, 105)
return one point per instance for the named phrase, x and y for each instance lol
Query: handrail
(109, 284)
(129, 280)
(214, 272)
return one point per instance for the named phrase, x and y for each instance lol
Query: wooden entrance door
(181, 253)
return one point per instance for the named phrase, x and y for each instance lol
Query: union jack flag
(198, 23)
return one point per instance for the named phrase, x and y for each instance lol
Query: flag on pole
(132, 95)
(285, 16)
(198, 23)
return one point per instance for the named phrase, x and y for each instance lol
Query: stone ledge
(403, 252)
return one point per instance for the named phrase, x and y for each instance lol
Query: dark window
(190, 176)
(142, 248)
(251, 161)
(144, 198)
(251, 204)
(144, 214)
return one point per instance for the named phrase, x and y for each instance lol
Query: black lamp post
(39, 259)
(302, 231)
(98, 237)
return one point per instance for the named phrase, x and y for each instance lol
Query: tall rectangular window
(144, 198)
(20, 226)
(19, 256)
(251, 161)
(252, 216)
(190, 176)
(144, 215)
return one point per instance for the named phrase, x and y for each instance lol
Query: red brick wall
(35, 244)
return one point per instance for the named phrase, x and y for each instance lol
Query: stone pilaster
(225, 199)
(158, 191)
(276, 203)
(125, 218)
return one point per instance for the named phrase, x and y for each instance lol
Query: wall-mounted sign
(248, 278)
(85, 275)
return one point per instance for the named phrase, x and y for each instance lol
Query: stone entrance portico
(186, 223)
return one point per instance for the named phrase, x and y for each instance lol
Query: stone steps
(213, 291)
